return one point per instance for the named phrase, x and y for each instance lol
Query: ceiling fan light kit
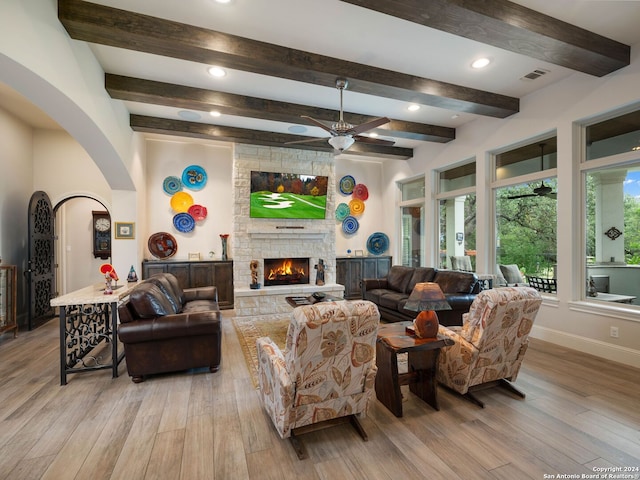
(342, 142)
(343, 134)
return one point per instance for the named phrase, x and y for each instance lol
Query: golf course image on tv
(288, 195)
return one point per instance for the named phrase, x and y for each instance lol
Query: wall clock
(101, 235)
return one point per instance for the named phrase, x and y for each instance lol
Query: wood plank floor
(581, 413)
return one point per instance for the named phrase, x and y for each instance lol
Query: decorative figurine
(254, 275)
(223, 238)
(110, 276)
(132, 277)
(591, 288)
(320, 275)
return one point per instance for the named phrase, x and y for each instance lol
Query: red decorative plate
(360, 192)
(162, 245)
(198, 212)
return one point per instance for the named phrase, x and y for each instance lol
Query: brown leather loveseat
(167, 329)
(391, 292)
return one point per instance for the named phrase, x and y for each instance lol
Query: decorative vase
(224, 238)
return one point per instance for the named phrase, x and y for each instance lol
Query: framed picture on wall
(125, 230)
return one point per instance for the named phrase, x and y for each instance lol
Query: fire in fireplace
(286, 271)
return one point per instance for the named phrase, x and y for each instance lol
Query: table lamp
(426, 298)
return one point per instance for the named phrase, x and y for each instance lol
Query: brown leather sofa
(166, 329)
(390, 293)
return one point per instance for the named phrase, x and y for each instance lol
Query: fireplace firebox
(286, 271)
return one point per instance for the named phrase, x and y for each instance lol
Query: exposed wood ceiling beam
(120, 28)
(512, 27)
(171, 95)
(141, 123)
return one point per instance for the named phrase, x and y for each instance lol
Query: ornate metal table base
(83, 328)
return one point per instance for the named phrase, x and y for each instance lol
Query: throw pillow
(512, 274)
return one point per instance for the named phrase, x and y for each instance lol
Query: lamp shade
(427, 296)
(341, 142)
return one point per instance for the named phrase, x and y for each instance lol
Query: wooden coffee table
(422, 365)
(298, 301)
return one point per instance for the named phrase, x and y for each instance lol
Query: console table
(88, 323)
(198, 273)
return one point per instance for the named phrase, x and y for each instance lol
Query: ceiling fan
(543, 190)
(343, 134)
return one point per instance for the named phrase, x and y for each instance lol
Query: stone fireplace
(286, 271)
(262, 239)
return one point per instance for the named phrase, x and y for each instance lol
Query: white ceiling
(348, 32)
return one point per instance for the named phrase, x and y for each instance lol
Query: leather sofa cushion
(163, 282)
(375, 294)
(391, 299)
(148, 301)
(399, 277)
(200, 306)
(420, 275)
(182, 325)
(455, 282)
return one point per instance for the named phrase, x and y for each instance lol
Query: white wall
(171, 156)
(369, 173)
(16, 186)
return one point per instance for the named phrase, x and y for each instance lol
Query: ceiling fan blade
(319, 124)
(307, 140)
(523, 196)
(375, 141)
(369, 125)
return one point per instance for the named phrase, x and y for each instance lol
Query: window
(457, 215)
(525, 190)
(412, 222)
(611, 173)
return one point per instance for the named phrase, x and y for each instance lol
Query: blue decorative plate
(346, 184)
(350, 225)
(377, 243)
(194, 177)
(342, 211)
(171, 185)
(184, 222)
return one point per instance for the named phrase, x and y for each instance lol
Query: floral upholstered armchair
(490, 345)
(326, 371)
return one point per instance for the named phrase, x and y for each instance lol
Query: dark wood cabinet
(198, 274)
(351, 270)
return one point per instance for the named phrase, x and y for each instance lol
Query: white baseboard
(615, 353)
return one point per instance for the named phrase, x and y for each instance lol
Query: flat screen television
(288, 195)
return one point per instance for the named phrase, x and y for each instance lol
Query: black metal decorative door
(40, 272)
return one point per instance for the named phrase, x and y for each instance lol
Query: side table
(422, 365)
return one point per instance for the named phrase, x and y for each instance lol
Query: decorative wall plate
(361, 192)
(198, 212)
(194, 177)
(162, 245)
(350, 225)
(184, 222)
(171, 185)
(356, 207)
(346, 184)
(377, 243)
(342, 211)
(181, 201)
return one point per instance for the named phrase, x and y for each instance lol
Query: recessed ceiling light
(217, 72)
(373, 134)
(223, 1)
(214, 113)
(297, 129)
(188, 115)
(480, 63)
(413, 107)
